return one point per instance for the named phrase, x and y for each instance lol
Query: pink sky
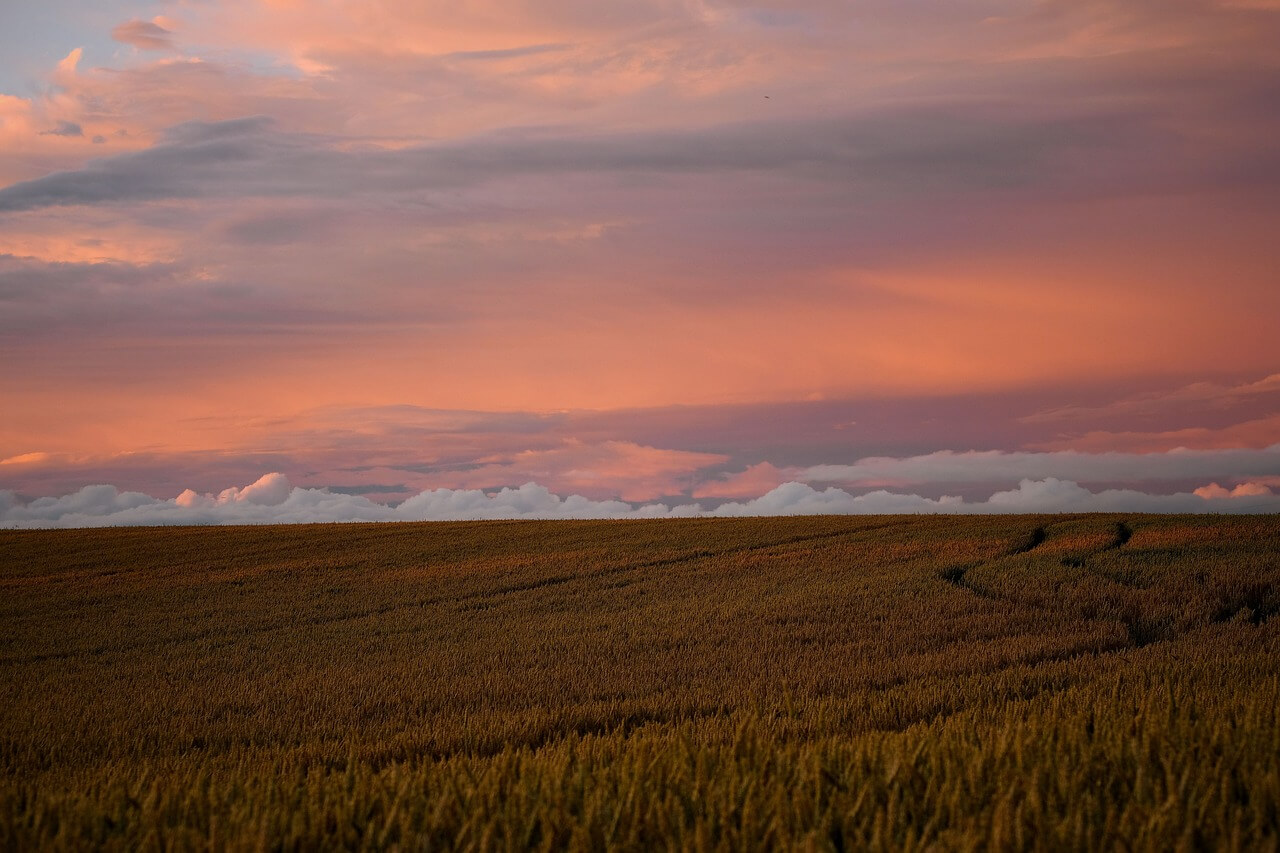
(649, 250)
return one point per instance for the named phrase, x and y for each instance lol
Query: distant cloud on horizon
(946, 466)
(272, 500)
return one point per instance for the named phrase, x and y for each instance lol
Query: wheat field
(830, 683)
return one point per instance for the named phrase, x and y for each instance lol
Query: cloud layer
(948, 467)
(271, 500)
(652, 250)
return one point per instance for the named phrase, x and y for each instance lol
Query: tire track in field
(1123, 533)
(627, 722)
(228, 636)
(661, 562)
(1140, 634)
(958, 575)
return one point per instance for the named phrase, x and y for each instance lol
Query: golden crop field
(838, 683)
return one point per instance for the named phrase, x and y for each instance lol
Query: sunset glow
(753, 256)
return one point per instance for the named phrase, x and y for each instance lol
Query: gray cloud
(189, 163)
(1196, 398)
(101, 298)
(143, 35)
(64, 128)
(1030, 496)
(271, 500)
(281, 229)
(918, 149)
(948, 466)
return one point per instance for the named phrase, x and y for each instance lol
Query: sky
(321, 260)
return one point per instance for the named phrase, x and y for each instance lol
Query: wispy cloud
(64, 128)
(900, 148)
(1198, 395)
(144, 35)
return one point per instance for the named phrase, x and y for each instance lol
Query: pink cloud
(562, 206)
(752, 482)
(1259, 432)
(144, 35)
(1245, 490)
(1198, 394)
(621, 469)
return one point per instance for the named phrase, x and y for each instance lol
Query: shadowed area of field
(882, 682)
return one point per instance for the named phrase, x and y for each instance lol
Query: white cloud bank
(272, 500)
(993, 466)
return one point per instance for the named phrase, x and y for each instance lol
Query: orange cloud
(33, 458)
(1245, 490)
(620, 469)
(756, 480)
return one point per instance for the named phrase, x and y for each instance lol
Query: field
(899, 683)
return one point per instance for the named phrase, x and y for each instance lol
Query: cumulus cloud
(268, 490)
(272, 500)
(530, 501)
(1031, 496)
(1244, 490)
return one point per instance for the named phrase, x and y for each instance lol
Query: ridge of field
(891, 682)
